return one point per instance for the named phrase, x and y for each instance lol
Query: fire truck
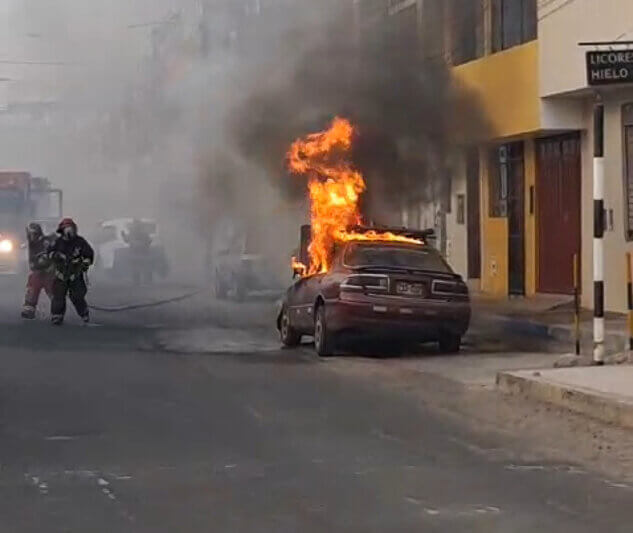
(24, 199)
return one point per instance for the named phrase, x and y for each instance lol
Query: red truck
(24, 199)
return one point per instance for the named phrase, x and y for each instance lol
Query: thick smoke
(409, 115)
(183, 111)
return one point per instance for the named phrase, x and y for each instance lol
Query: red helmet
(66, 223)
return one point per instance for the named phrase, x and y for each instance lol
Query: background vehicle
(239, 275)
(24, 199)
(235, 266)
(113, 256)
(405, 293)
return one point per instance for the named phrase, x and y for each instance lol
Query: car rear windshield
(372, 255)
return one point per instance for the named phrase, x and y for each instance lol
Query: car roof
(124, 222)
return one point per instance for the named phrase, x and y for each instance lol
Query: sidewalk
(604, 393)
(550, 317)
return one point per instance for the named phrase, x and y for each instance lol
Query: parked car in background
(240, 275)
(236, 266)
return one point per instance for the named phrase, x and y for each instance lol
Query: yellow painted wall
(507, 84)
(494, 240)
(531, 262)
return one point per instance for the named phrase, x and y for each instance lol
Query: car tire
(290, 337)
(450, 343)
(323, 338)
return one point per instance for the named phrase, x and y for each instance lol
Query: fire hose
(158, 303)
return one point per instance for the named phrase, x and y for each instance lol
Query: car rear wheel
(290, 337)
(450, 343)
(323, 338)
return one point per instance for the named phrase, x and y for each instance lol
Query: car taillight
(449, 288)
(366, 282)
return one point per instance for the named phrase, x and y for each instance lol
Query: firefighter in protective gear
(40, 268)
(72, 256)
(139, 242)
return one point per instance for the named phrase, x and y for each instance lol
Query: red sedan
(379, 290)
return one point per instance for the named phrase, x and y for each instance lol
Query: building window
(433, 29)
(466, 27)
(404, 27)
(627, 134)
(369, 10)
(498, 182)
(461, 209)
(513, 22)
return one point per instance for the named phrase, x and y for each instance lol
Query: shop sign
(609, 67)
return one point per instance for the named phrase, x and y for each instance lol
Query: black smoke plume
(408, 113)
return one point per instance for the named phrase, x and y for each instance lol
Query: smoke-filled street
(316, 266)
(128, 426)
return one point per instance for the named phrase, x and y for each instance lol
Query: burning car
(378, 290)
(368, 282)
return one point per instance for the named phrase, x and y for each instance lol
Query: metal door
(514, 167)
(558, 192)
(473, 216)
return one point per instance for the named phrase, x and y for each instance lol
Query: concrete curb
(602, 407)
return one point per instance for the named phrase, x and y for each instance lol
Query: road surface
(189, 418)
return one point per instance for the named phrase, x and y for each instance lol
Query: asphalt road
(188, 418)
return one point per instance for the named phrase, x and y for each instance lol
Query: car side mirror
(297, 272)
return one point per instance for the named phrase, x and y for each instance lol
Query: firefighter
(139, 242)
(72, 256)
(40, 268)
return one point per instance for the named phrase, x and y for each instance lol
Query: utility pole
(598, 232)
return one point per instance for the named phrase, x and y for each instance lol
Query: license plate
(410, 289)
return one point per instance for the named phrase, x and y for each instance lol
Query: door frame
(539, 222)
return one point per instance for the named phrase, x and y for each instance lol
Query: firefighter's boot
(28, 312)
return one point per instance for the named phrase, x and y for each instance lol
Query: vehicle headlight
(6, 246)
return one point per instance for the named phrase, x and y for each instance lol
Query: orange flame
(299, 267)
(335, 189)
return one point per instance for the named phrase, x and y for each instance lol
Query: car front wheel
(323, 338)
(290, 337)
